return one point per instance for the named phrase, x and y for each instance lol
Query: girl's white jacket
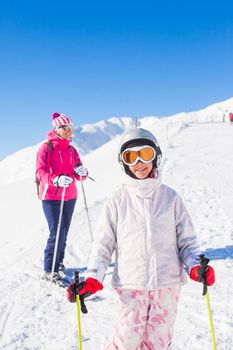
(150, 230)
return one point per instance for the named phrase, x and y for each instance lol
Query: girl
(149, 228)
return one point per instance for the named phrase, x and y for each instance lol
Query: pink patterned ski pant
(146, 319)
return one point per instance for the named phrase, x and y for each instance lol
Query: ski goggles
(145, 154)
(66, 127)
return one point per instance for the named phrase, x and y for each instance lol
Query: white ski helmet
(139, 137)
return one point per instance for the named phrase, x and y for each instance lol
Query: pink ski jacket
(62, 159)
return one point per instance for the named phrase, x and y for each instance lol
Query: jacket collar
(142, 188)
(58, 141)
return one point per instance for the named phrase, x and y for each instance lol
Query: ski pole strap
(79, 286)
(71, 292)
(82, 303)
(201, 272)
(91, 178)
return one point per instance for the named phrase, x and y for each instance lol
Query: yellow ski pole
(204, 263)
(80, 306)
(74, 297)
(210, 320)
(80, 347)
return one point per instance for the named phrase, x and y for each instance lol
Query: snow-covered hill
(197, 162)
(89, 137)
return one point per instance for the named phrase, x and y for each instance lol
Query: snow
(197, 162)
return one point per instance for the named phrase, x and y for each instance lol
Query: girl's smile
(141, 170)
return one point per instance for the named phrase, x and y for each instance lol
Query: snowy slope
(88, 137)
(198, 163)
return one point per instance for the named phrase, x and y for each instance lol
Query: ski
(63, 282)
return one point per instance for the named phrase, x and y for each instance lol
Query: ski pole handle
(58, 187)
(76, 277)
(204, 262)
(81, 296)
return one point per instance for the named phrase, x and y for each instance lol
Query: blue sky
(96, 59)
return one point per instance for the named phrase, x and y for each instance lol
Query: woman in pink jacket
(231, 118)
(58, 165)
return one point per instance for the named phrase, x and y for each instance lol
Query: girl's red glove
(208, 275)
(90, 285)
(84, 289)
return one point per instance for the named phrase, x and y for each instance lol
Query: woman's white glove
(80, 170)
(62, 181)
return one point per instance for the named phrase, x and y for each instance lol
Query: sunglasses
(131, 156)
(66, 127)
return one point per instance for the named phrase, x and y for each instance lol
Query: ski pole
(57, 238)
(91, 178)
(204, 263)
(85, 202)
(80, 305)
(74, 297)
(211, 321)
(79, 322)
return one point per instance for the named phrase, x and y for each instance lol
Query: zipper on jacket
(60, 156)
(71, 157)
(149, 239)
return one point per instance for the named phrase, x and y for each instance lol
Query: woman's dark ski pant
(52, 210)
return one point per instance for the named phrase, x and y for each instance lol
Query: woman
(58, 166)
(147, 225)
